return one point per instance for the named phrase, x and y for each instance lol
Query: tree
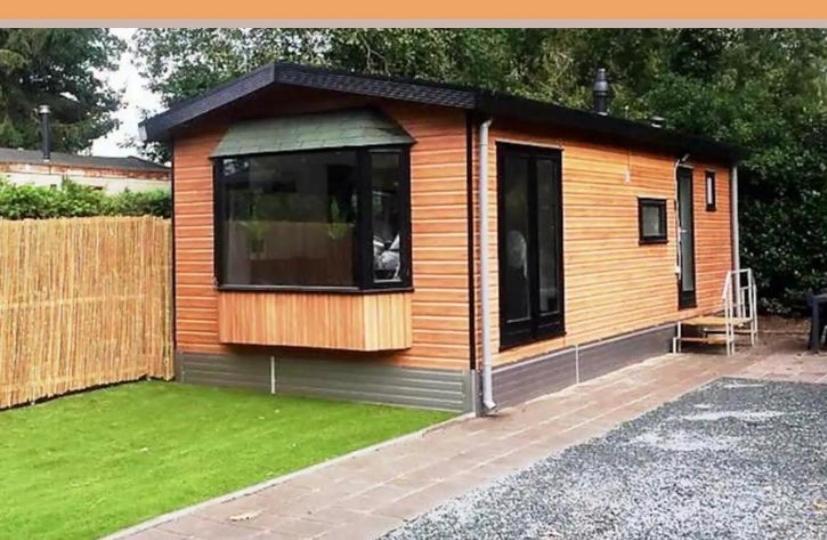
(59, 68)
(183, 62)
(180, 63)
(762, 89)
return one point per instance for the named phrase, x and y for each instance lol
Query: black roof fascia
(157, 128)
(377, 86)
(495, 104)
(449, 95)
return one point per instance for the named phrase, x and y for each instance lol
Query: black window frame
(363, 256)
(660, 204)
(540, 327)
(710, 189)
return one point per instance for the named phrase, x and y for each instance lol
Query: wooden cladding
(614, 285)
(356, 322)
(439, 305)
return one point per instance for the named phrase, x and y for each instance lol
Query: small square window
(710, 191)
(652, 221)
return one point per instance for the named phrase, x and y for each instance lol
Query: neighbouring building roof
(34, 157)
(336, 129)
(480, 101)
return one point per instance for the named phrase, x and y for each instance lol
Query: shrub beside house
(74, 200)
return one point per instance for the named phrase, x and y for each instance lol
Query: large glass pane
(548, 233)
(290, 219)
(515, 206)
(653, 221)
(687, 237)
(386, 172)
(710, 191)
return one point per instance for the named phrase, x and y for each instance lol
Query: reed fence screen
(83, 302)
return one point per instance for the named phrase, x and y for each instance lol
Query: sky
(136, 96)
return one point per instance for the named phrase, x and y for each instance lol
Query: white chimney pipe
(45, 135)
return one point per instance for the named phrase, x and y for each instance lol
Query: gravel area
(734, 459)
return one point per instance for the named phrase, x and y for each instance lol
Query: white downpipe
(736, 237)
(678, 252)
(488, 404)
(273, 375)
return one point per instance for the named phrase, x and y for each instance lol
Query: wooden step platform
(715, 339)
(712, 320)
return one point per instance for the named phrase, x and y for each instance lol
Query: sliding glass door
(530, 243)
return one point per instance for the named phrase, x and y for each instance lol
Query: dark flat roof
(34, 157)
(481, 101)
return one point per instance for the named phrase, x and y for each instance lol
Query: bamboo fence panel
(83, 302)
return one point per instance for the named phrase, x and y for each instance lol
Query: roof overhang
(161, 126)
(349, 128)
(627, 131)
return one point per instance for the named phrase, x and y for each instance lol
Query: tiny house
(410, 242)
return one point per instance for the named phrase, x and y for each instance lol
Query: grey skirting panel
(451, 390)
(237, 371)
(527, 379)
(521, 381)
(349, 380)
(599, 358)
(429, 388)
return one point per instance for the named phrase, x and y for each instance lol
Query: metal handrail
(741, 300)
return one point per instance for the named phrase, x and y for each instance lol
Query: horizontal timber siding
(439, 304)
(614, 285)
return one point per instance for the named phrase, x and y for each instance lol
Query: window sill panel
(396, 288)
(372, 322)
(653, 241)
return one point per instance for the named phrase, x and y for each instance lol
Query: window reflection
(385, 175)
(290, 219)
(294, 219)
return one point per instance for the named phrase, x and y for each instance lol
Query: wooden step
(709, 340)
(713, 320)
(738, 331)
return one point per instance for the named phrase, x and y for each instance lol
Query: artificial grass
(89, 464)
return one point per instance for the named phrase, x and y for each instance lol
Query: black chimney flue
(600, 91)
(45, 135)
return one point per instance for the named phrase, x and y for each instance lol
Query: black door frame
(686, 299)
(539, 326)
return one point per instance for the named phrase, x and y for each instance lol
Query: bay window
(333, 218)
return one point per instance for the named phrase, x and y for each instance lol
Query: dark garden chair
(817, 304)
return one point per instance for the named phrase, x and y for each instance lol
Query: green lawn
(89, 464)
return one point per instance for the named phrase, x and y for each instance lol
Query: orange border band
(377, 10)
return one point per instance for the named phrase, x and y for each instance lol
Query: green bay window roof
(316, 131)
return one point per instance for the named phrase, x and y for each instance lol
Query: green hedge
(74, 200)
(784, 241)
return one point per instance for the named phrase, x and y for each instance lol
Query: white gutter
(678, 260)
(736, 237)
(488, 404)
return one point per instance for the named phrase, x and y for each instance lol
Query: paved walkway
(371, 493)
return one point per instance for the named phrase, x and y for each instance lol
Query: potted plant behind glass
(340, 233)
